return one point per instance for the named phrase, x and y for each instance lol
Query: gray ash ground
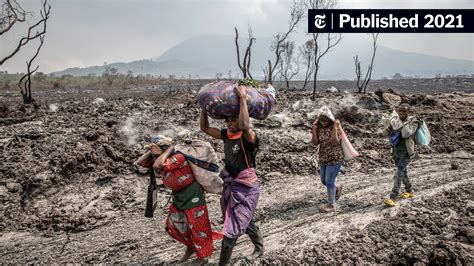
(69, 191)
(438, 231)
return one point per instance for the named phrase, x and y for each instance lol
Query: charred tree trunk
(244, 66)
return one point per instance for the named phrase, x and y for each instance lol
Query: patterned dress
(188, 218)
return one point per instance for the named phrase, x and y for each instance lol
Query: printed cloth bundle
(203, 163)
(238, 205)
(201, 157)
(219, 100)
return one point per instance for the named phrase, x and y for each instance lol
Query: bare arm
(385, 132)
(250, 136)
(211, 131)
(314, 133)
(160, 162)
(335, 133)
(244, 119)
(146, 160)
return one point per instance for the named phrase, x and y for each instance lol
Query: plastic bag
(422, 135)
(348, 151)
(395, 137)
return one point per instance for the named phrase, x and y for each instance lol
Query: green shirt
(400, 150)
(189, 197)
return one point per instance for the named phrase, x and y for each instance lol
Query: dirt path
(287, 214)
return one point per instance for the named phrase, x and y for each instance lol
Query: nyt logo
(320, 21)
(391, 21)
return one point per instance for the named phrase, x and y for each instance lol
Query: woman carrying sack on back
(327, 132)
(188, 219)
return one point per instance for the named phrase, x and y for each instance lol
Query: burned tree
(265, 75)
(289, 63)
(245, 64)
(25, 81)
(11, 14)
(307, 55)
(110, 74)
(296, 15)
(320, 52)
(322, 46)
(362, 87)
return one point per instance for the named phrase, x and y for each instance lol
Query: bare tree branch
(357, 71)
(25, 87)
(238, 50)
(264, 70)
(10, 13)
(368, 75)
(30, 35)
(245, 64)
(249, 53)
(306, 51)
(289, 65)
(331, 42)
(297, 13)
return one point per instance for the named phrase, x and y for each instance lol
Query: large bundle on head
(219, 100)
(201, 156)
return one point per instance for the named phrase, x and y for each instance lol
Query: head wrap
(161, 140)
(326, 112)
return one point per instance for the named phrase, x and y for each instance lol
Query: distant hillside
(207, 55)
(137, 67)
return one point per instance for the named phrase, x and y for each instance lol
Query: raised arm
(160, 162)
(211, 131)
(244, 119)
(314, 133)
(335, 132)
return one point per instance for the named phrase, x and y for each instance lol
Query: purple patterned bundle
(219, 100)
(238, 204)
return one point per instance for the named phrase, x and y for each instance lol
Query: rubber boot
(257, 239)
(226, 250)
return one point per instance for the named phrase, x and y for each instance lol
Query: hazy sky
(90, 32)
